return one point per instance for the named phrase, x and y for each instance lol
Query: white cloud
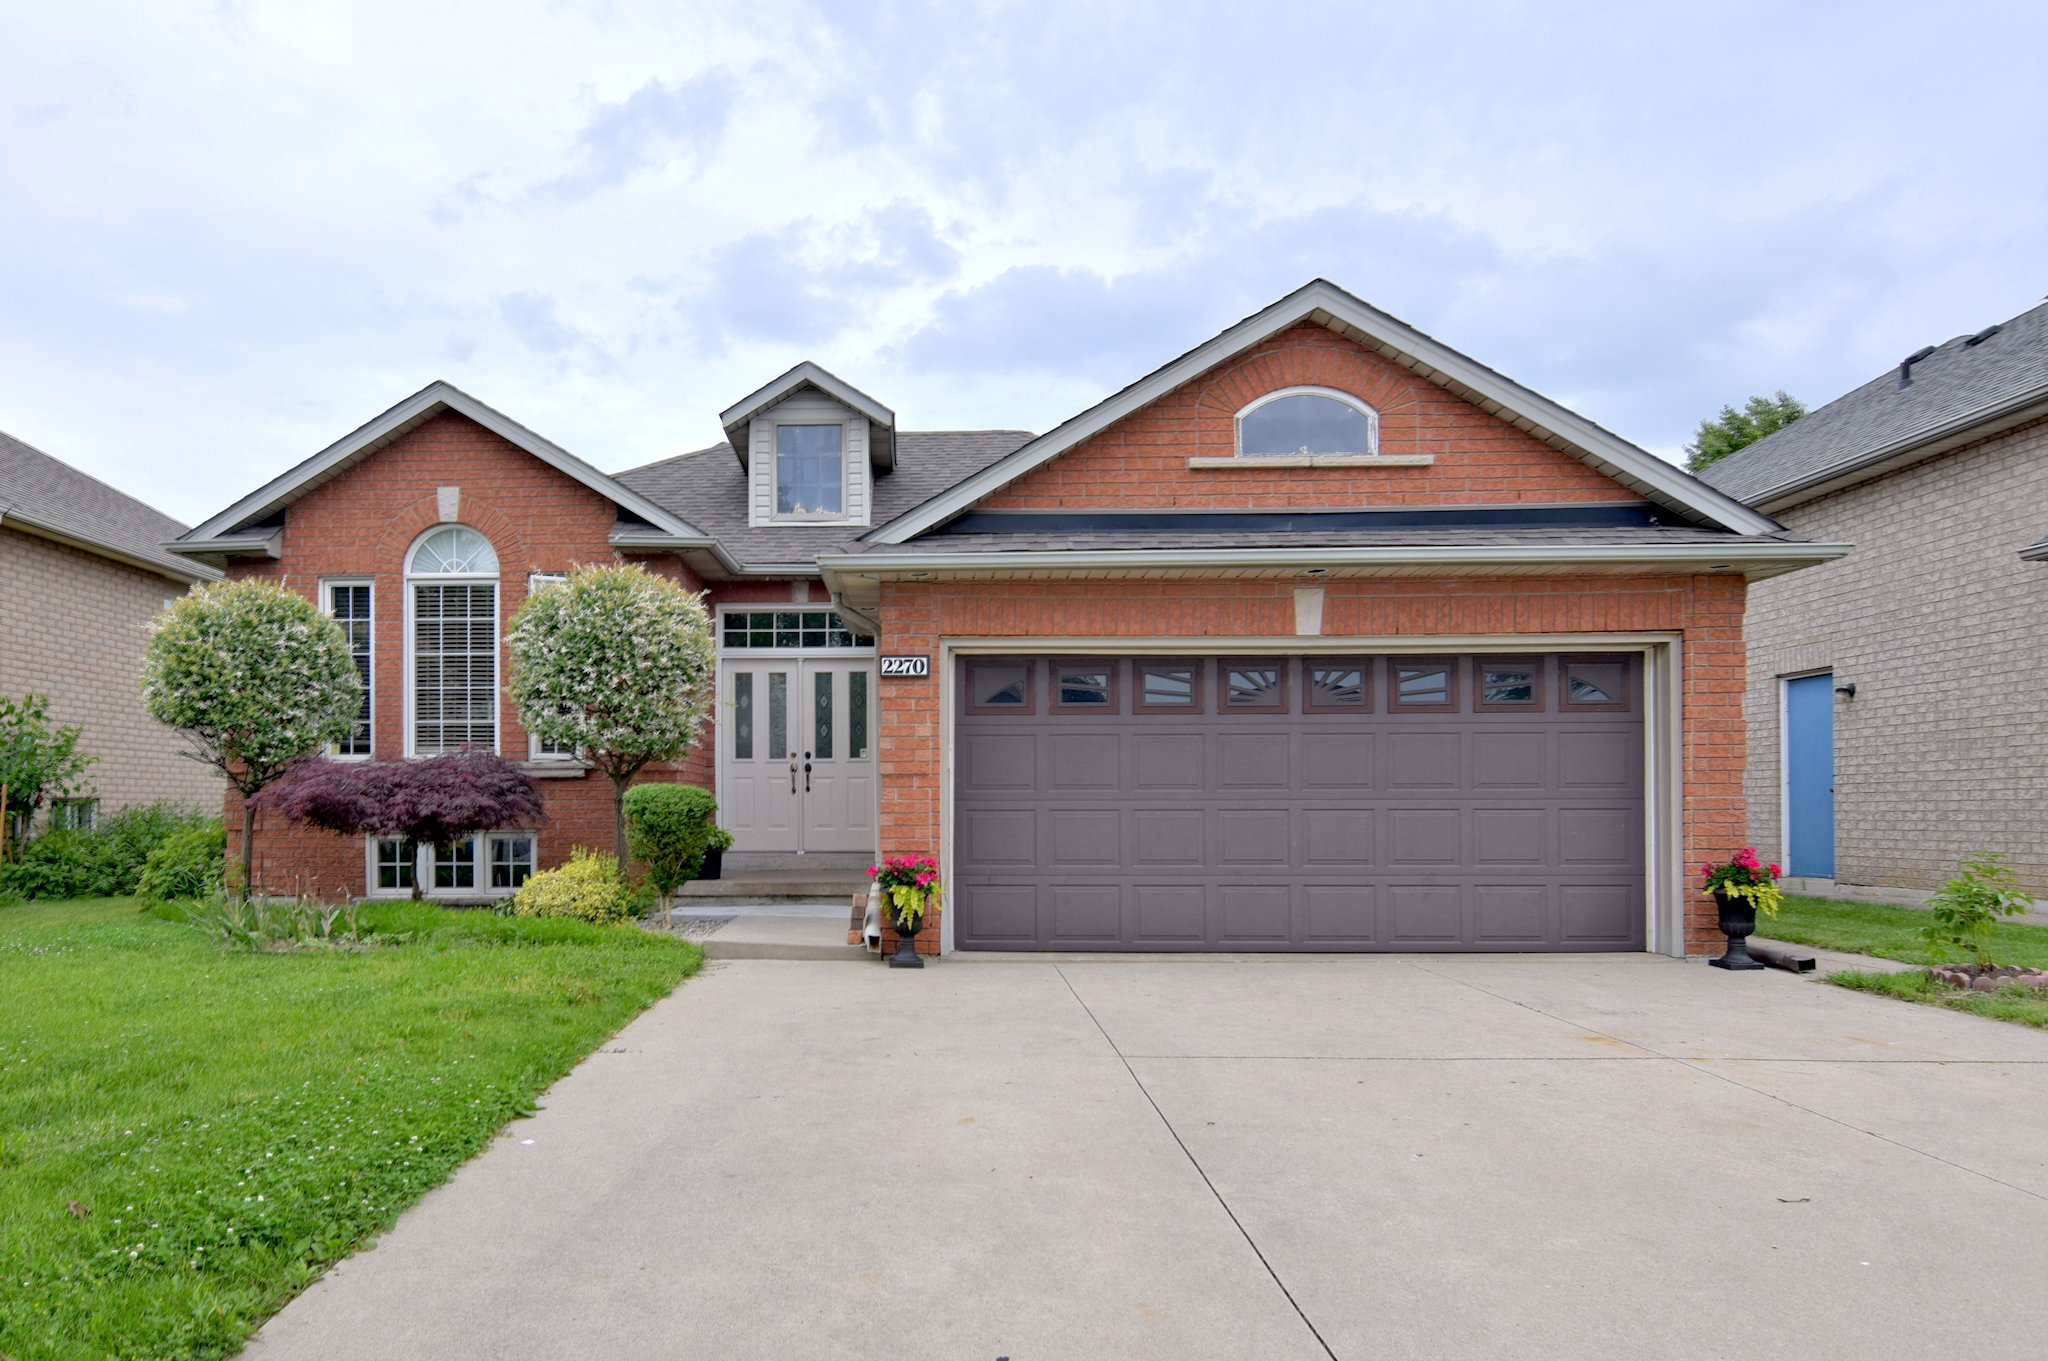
(231, 234)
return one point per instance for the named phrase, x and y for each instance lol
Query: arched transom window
(452, 641)
(1306, 421)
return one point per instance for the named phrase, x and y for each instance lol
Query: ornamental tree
(256, 678)
(616, 663)
(438, 800)
(37, 761)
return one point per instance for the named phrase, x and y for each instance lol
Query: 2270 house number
(906, 666)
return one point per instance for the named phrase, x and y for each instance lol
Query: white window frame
(838, 517)
(69, 805)
(534, 752)
(327, 608)
(770, 607)
(423, 868)
(1372, 420)
(496, 580)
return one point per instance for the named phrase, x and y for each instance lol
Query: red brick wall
(1141, 461)
(360, 525)
(1706, 610)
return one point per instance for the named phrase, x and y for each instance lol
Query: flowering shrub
(617, 664)
(911, 881)
(588, 888)
(1745, 877)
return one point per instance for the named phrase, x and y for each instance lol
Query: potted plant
(716, 843)
(909, 884)
(1741, 888)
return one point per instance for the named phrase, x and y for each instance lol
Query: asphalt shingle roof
(709, 489)
(56, 496)
(1949, 386)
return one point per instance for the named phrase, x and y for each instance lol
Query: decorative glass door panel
(796, 757)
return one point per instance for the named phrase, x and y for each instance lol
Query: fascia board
(1971, 426)
(428, 401)
(1401, 342)
(71, 538)
(1224, 561)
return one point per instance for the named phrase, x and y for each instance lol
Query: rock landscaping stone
(1988, 978)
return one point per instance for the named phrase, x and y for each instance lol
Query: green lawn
(189, 1136)
(1894, 933)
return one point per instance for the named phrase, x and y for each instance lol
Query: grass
(189, 1136)
(1894, 933)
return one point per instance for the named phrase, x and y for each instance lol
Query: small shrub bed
(105, 862)
(588, 888)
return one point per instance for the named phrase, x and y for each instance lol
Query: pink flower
(1774, 871)
(873, 870)
(923, 879)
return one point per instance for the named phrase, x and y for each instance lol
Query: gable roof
(48, 497)
(881, 420)
(1958, 392)
(708, 488)
(1325, 304)
(242, 527)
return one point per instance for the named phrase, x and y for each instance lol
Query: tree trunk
(248, 844)
(620, 783)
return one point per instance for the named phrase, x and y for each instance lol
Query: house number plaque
(906, 666)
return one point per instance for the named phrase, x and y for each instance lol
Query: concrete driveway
(1489, 1157)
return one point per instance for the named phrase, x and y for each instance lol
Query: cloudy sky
(231, 232)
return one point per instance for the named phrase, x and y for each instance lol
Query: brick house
(1321, 637)
(85, 571)
(1886, 738)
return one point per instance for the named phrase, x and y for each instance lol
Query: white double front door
(796, 757)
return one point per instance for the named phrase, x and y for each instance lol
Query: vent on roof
(1906, 364)
(1984, 335)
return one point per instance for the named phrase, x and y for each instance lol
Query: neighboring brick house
(84, 571)
(1892, 725)
(1321, 637)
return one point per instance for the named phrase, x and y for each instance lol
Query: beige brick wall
(73, 627)
(1942, 628)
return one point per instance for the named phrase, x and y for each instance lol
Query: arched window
(1304, 421)
(451, 645)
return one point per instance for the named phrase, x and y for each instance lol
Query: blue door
(1810, 777)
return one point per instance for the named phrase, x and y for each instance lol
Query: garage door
(1464, 803)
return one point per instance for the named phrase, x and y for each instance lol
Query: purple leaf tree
(438, 800)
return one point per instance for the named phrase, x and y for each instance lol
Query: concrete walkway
(1403, 1157)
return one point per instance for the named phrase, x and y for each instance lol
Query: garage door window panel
(1166, 687)
(1337, 685)
(1084, 687)
(1422, 683)
(1255, 685)
(999, 687)
(1590, 683)
(1507, 685)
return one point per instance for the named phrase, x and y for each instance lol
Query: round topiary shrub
(184, 865)
(588, 888)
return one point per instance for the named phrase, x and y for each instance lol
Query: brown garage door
(1378, 803)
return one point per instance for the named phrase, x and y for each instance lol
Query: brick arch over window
(414, 519)
(1142, 461)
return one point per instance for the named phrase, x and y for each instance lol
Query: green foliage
(617, 663)
(226, 1137)
(588, 888)
(1969, 905)
(37, 761)
(2022, 1006)
(1733, 430)
(254, 675)
(107, 861)
(1890, 932)
(668, 828)
(258, 924)
(186, 864)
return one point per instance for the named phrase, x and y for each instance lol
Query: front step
(769, 937)
(749, 862)
(771, 885)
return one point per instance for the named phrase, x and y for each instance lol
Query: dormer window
(1303, 422)
(810, 470)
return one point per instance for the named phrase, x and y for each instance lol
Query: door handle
(807, 777)
(792, 777)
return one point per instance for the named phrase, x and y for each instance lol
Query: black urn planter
(714, 863)
(1738, 920)
(906, 956)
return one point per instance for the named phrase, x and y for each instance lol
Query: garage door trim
(1662, 720)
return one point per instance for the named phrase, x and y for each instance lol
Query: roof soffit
(1324, 304)
(430, 401)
